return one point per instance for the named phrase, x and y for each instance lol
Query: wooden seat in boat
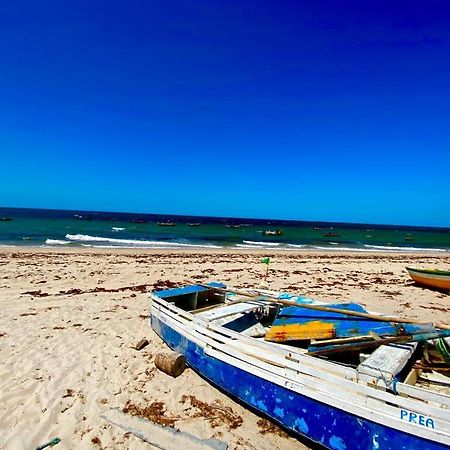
(387, 361)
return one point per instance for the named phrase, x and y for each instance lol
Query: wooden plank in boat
(386, 362)
(243, 325)
(229, 310)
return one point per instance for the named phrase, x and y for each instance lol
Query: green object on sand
(51, 443)
(265, 260)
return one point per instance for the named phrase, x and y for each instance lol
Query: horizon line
(228, 217)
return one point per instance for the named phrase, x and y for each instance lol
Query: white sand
(67, 357)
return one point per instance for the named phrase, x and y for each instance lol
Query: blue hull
(319, 422)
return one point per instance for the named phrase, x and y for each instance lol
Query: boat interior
(256, 313)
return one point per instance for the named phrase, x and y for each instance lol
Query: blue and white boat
(374, 404)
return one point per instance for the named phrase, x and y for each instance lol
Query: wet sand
(69, 320)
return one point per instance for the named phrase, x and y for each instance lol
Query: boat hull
(321, 423)
(430, 279)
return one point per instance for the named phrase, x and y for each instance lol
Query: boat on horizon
(331, 234)
(433, 278)
(5, 219)
(272, 232)
(166, 224)
(372, 400)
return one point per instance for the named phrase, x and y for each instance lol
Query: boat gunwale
(362, 390)
(429, 272)
(347, 402)
(342, 372)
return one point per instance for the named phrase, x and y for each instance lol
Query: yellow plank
(311, 330)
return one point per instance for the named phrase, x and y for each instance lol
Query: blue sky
(308, 110)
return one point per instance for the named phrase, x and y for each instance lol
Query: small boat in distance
(331, 234)
(139, 221)
(272, 232)
(433, 278)
(166, 224)
(80, 217)
(5, 219)
(194, 224)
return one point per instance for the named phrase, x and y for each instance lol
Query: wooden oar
(357, 346)
(280, 301)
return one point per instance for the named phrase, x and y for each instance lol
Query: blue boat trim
(168, 293)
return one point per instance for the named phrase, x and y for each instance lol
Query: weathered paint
(298, 331)
(186, 290)
(296, 323)
(317, 421)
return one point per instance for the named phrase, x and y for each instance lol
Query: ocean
(58, 228)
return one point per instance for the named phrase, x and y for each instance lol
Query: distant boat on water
(5, 219)
(331, 234)
(272, 232)
(139, 221)
(80, 217)
(194, 224)
(434, 278)
(166, 224)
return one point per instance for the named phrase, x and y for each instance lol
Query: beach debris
(38, 293)
(267, 427)
(141, 344)
(160, 436)
(51, 443)
(215, 413)
(171, 363)
(155, 412)
(164, 284)
(142, 288)
(69, 393)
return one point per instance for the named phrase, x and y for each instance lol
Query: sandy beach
(69, 320)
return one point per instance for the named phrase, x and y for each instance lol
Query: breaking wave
(56, 242)
(133, 243)
(262, 243)
(405, 249)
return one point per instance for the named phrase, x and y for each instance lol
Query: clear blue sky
(309, 110)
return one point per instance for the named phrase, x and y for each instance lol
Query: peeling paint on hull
(319, 422)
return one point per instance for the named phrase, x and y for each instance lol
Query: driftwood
(171, 363)
(141, 344)
(162, 437)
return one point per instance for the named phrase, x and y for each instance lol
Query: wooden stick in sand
(440, 325)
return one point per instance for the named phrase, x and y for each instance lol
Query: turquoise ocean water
(53, 228)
